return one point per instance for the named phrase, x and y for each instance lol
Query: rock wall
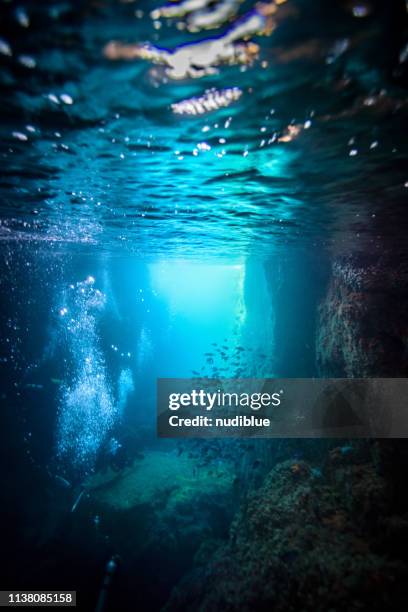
(362, 322)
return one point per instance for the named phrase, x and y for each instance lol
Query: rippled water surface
(313, 151)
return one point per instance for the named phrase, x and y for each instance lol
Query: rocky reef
(362, 324)
(308, 539)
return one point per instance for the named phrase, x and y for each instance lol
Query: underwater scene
(211, 189)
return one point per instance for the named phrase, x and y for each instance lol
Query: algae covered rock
(361, 326)
(301, 543)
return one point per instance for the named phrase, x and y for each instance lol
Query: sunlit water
(144, 237)
(92, 153)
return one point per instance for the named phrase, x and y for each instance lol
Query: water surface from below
(314, 147)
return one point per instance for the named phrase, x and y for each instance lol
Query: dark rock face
(363, 332)
(362, 327)
(307, 541)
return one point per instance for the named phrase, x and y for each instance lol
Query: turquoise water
(116, 169)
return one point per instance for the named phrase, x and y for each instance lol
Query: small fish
(27, 61)
(22, 17)
(63, 482)
(56, 381)
(5, 48)
(77, 501)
